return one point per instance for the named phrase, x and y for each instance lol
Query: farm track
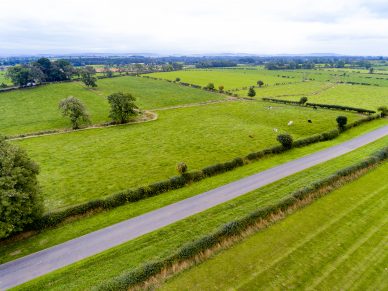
(29, 267)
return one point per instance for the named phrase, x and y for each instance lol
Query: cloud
(202, 26)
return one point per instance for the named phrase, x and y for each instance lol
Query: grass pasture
(297, 89)
(36, 109)
(369, 97)
(3, 79)
(79, 166)
(90, 272)
(230, 78)
(309, 249)
(84, 225)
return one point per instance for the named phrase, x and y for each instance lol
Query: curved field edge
(77, 226)
(159, 244)
(308, 249)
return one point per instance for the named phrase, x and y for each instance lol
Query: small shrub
(251, 92)
(210, 86)
(181, 168)
(177, 79)
(303, 100)
(221, 88)
(286, 140)
(383, 110)
(341, 121)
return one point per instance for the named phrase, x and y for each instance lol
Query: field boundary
(154, 272)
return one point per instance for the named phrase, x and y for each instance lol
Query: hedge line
(233, 228)
(327, 106)
(281, 101)
(132, 195)
(340, 107)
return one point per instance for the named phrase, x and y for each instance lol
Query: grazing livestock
(309, 121)
(290, 123)
(275, 130)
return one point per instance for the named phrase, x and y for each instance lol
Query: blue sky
(353, 27)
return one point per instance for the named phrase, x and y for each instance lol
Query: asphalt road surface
(29, 267)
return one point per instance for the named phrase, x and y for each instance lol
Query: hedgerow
(326, 106)
(234, 228)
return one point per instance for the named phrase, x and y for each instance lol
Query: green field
(3, 79)
(200, 136)
(36, 109)
(229, 78)
(369, 97)
(310, 249)
(92, 271)
(298, 89)
(85, 225)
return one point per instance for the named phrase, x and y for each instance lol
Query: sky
(350, 27)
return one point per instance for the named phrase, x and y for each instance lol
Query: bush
(286, 140)
(20, 200)
(303, 100)
(210, 86)
(181, 168)
(251, 92)
(177, 79)
(383, 110)
(341, 121)
(221, 88)
(260, 83)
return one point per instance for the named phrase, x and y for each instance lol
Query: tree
(122, 106)
(210, 86)
(221, 88)
(181, 168)
(260, 83)
(75, 110)
(371, 70)
(384, 110)
(87, 76)
(251, 92)
(20, 200)
(19, 75)
(286, 140)
(303, 100)
(341, 121)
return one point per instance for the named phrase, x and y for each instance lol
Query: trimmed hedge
(233, 228)
(327, 106)
(340, 107)
(281, 101)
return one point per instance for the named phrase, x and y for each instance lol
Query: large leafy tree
(20, 200)
(19, 75)
(75, 110)
(122, 106)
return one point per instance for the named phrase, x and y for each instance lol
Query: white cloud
(201, 26)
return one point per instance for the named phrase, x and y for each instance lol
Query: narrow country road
(29, 267)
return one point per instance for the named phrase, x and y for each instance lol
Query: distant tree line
(215, 64)
(42, 70)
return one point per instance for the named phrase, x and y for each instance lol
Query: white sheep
(290, 123)
(275, 130)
